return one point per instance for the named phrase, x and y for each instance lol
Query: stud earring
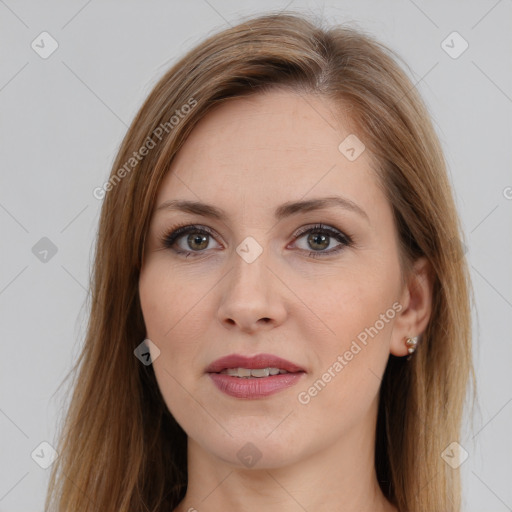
(411, 344)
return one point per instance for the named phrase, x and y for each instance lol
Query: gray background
(62, 120)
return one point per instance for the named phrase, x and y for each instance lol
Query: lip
(253, 362)
(252, 388)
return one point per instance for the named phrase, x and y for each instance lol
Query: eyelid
(323, 227)
(180, 230)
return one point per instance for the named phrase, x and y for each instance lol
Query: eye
(198, 239)
(319, 237)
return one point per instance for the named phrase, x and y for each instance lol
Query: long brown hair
(120, 448)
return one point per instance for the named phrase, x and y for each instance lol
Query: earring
(411, 344)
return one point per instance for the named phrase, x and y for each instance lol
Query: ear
(416, 301)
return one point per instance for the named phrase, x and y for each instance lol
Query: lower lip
(257, 387)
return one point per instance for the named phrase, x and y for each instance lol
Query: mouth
(253, 377)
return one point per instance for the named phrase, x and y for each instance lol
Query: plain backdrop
(62, 120)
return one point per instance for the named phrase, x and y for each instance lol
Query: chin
(263, 447)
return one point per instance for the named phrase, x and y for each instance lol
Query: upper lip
(252, 362)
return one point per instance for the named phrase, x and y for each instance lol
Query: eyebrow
(285, 210)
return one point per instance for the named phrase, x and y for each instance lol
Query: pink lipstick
(253, 377)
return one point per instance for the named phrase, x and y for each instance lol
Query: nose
(252, 297)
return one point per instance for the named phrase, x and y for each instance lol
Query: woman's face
(325, 299)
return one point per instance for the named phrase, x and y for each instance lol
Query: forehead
(266, 149)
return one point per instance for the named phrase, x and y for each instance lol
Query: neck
(340, 477)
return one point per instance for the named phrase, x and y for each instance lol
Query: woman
(281, 311)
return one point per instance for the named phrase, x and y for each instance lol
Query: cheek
(171, 307)
(346, 306)
(352, 352)
(167, 297)
(174, 307)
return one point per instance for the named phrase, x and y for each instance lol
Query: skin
(249, 156)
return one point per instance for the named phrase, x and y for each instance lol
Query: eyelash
(170, 238)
